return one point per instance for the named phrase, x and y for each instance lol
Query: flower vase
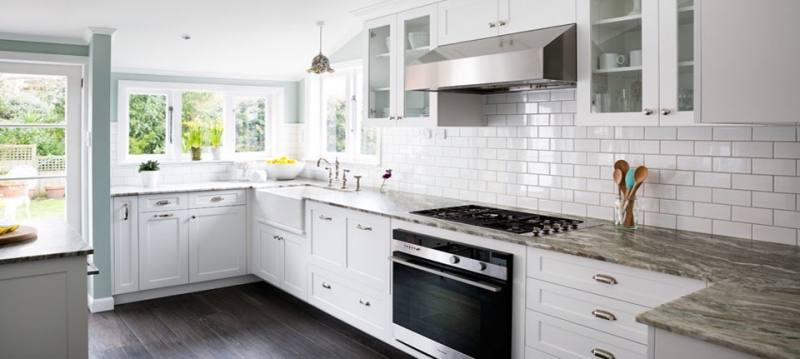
(197, 153)
(149, 178)
(216, 153)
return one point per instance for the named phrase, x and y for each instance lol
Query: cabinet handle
(326, 285)
(602, 354)
(365, 303)
(501, 23)
(162, 215)
(492, 25)
(606, 279)
(399, 118)
(363, 228)
(162, 203)
(602, 314)
(665, 111)
(276, 237)
(216, 199)
(194, 217)
(125, 213)
(325, 218)
(647, 112)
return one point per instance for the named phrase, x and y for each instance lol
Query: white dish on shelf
(418, 39)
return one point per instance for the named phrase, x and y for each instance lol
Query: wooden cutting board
(23, 233)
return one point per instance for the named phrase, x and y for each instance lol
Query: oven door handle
(489, 287)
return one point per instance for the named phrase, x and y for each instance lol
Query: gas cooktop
(504, 220)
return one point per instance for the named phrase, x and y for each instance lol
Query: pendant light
(320, 63)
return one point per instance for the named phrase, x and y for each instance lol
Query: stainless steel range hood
(543, 58)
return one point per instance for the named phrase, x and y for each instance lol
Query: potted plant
(148, 170)
(194, 139)
(215, 138)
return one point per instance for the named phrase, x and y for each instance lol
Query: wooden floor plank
(249, 321)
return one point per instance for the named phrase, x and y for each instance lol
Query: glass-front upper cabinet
(635, 62)
(380, 70)
(392, 42)
(618, 61)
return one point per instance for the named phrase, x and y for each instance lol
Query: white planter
(216, 153)
(149, 178)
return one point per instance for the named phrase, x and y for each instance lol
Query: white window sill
(179, 162)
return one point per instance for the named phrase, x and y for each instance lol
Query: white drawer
(632, 285)
(368, 248)
(566, 340)
(597, 312)
(217, 198)
(366, 311)
(162, 202)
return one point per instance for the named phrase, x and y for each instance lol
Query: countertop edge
(46, 256)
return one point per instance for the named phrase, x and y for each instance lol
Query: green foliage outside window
(199, 111)
(251, 123)
(33, 100)
(147, 124)
(336, 126)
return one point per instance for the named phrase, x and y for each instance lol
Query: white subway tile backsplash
(752, 182)
(704, 148)
(775, 167)
(774, 200)
(677, 147)
(694, 163)
(733, 229)
(751, 215)
(614, 146)
(787, 218)
(787, 184)
(694, 224)
(660, 220)
(550, 107)
(695, 133)
(774, 133)
(676, 177)
(735, 165)
(629, 133)
(600, 132)
(710, 179)
(684, 208)
(753, 149)
(787, 149)
(729, 196)
(733, 133)
(660, 161)
(714, 211)
(640, 146)
(775, 234)
(660, 133)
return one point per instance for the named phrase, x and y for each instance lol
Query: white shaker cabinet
(125, 229)
(750, 60)
(216, 243)
(280, 258)
(163, 249)
(464, 20)
(636, 62)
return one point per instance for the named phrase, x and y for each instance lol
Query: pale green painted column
(100, 154)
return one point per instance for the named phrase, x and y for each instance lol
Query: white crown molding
(386, 7)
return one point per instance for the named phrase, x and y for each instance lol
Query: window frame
(317, 126)
(173, 151)
(73, 129)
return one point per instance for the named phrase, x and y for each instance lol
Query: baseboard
(183, 289)
(100, 304)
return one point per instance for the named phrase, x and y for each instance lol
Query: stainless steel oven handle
(489, 287)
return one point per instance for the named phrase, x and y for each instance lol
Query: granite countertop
(118, 191)
(55, 240)
(752, 303)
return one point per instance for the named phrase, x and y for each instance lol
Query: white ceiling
(268, 39)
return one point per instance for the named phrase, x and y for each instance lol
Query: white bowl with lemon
(284, 168)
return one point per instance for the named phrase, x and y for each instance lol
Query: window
(164, 120)
(40, 143)
(339, 131)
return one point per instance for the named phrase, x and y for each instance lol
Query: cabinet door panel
(269, 254)
(618, 62)
(217, 243)
(126, 244)
(328, 235)
(380, 80)
(524, 15)
(295, 273)
(676, 41)
(418, 33)
(368, 248)
(743, 43)
(463, 20)
(163, 249)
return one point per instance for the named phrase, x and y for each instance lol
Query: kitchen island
(43, 295)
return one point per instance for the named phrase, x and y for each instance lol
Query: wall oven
(451, 300)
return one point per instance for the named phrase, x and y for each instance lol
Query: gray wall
(43, 47)
(292, 89)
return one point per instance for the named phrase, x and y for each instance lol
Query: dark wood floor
(248, 321)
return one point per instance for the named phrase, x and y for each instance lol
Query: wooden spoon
(639, 176)
(623, 167)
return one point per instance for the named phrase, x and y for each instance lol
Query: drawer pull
(606, 279)
(326, 285)
(276, 237)
(602, 354)
(602, 314)
(363, 228)
(163, 202)
(216, 199)
(364, 302)
(162, 215)
(125, 213)
(325, 218)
